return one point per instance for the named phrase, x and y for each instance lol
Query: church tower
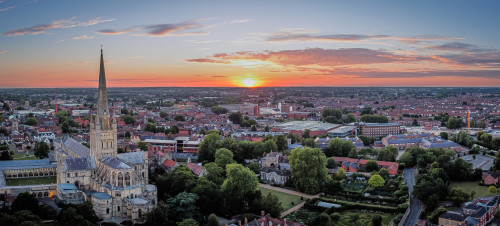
(103, 130)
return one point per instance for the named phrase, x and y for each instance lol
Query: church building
(116, 183)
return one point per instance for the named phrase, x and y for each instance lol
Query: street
(415, 204)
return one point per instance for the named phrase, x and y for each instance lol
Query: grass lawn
(21, 156)
(285, 199)
(30, 181)
(468, 186)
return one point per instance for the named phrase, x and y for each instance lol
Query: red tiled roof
(169, 163)
(195, 168)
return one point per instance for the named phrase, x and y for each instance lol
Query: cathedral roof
(132, 157)
(114, 163)
(80, 163)
(77, 148)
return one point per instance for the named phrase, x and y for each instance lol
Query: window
(107, 210)
(118, 208)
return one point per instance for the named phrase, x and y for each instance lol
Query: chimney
(284, 222)
(246, 220)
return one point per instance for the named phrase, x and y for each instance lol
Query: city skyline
(249, 44)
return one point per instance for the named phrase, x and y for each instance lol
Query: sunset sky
(250, 43)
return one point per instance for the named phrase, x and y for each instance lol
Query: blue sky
(277, 43)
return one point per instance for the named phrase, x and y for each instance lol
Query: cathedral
(117, 184)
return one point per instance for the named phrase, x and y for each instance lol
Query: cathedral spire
(102, 95)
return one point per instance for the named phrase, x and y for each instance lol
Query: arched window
(120, 179)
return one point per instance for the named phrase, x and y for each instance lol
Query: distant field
(468, 186)
(31, 181)
(285, 199)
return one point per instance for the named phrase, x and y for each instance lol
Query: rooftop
(303, 125)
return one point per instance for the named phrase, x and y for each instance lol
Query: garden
(31, 181)
(287, 200)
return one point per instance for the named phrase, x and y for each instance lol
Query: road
(415, 204)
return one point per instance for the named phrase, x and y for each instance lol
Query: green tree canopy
(308, 167)
(223, 157)
(129, 120)
(376, 181)
(42, 150)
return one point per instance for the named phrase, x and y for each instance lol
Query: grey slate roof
(114, 163)
(132, 157)
(453, 216)
(83, 163)
(26, 164)
(76, 147)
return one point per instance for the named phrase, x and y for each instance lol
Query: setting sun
(248, 82)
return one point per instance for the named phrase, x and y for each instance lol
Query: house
(352, 165)
(267, 220)
(491, 178)
(452, 218)
(478, 212)
(169, 165)
(275, 175)
(196, 169)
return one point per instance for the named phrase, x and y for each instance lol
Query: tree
(183, 206)
(371, 165)
(3, 131)
(158, 216)
(142, 145)
(212, 220)
(377, 220)
(309, 142)
(383, 172)
(210, 197)
(254, 166)
(240, 185)
(459, 196)
(350, 118)
(492, 190)
(281, 143)
(340, 175)
(65, 127)
(223, 157)
(188, 222)
(271, 204)
(218, 110)
(334, 148)
(207, 148)
(236, 117)
(179, 180)
(434, 217)
(331, 163)
(127, 135)
(376, 181)
(253, 128)
(25, 201)
(454, 123)
(444, 135)
(368, 118)
(333, 187)
(308, 167)
(42, 150)
(306, 134)
(353, 154)
(31, 121)
(129, 120)
(5, 155)
(270, 146)
(179, 118)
